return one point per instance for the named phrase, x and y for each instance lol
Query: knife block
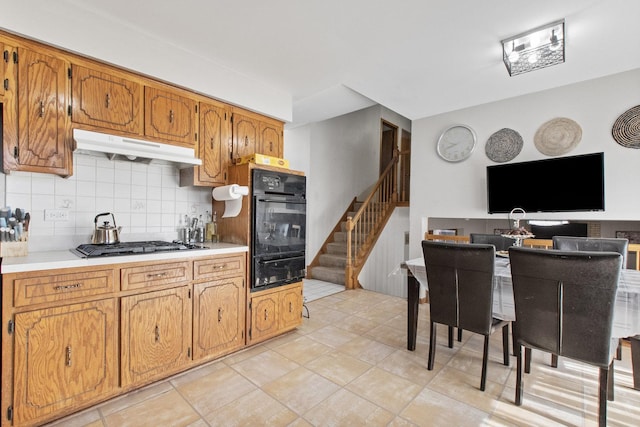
(15, 249)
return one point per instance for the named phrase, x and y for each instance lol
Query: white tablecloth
(626, 318)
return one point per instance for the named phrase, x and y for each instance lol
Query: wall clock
(456, 143)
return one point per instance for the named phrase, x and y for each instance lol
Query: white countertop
(67, 259)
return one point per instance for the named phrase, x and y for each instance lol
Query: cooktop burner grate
(128, 248)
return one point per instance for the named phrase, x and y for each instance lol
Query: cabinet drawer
(219, 267)
(155, 275)
(48, 287)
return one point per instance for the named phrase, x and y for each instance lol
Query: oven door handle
(281, 259)
(295, 201)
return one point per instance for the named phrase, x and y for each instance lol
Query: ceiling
(416, 57)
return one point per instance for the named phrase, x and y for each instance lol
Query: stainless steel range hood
(123, 148)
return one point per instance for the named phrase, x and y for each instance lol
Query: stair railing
(363, 228)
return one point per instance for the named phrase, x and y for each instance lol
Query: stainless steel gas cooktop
(130, 248)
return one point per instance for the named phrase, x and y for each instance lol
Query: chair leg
(459, 335)
(610, 395)
(527, 360)
(505, 344)
(619, 350)
(602, 397)
(485, 357)
(450, 336)
(519, 385)
(554, 360)
(432, 345)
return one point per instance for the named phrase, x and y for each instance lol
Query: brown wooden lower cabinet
(156, 334)
(79, 336)
(274, 311)
(64, 356)
(218, 317)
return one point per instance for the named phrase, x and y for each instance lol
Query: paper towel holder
(232, 197)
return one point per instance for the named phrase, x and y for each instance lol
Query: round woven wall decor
(626, 129)
(557, 136)
(503, 145)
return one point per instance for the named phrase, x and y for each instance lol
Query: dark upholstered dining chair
(598, 244)
(564, 303)
(460, 285)
(500, 242)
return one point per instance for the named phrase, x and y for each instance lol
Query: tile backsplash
(146, 201)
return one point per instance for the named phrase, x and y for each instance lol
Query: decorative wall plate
(626, 129)
(557, 136)
(503, 145)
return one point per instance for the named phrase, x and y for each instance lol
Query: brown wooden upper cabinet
(271, 134)
(245, 134)
(213, 148)
(106, 100)
(170, 116)
(253, 133)
(44, 136)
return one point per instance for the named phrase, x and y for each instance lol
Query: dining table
(626, 316)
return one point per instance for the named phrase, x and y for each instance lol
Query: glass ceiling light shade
(539, 48)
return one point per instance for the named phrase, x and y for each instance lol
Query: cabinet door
(213, 148)
(218, 317)
(245, 134)
(171, 117)
(270, 139)
(44, 135)
(104, 100)
(156, 334)
(6, 54)
(9, 108)
(291, 308)
(264, 316)
(64, 356)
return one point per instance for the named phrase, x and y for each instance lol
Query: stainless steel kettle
(105, 234)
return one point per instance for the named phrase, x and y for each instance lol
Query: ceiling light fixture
(538, 48)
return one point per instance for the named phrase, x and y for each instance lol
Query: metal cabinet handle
(222, 267)
(152, 276)
(41, 109)
(65, 287)
(246, 141)
(266, 316)
(270, 145)
(170, 116)
(157, 333)
(290, 307)
(219, 314)
(107, 100)
(67, 357)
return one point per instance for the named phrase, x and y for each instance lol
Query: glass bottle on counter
(212, 229)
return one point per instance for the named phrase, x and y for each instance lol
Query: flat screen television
(563, 184)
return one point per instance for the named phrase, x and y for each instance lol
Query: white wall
(121, 45)
(382, 272)
(458, 190)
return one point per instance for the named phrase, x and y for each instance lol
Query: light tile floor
(314, 289)
(347, 365)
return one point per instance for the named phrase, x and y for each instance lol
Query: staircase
(345, 251)
(332, 258)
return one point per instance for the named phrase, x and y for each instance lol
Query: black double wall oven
(279, 209)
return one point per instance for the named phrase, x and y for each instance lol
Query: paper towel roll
(232, 197)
